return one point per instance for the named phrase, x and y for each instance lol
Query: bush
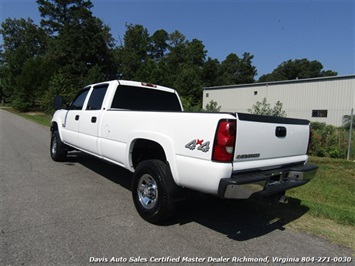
(264, 108)
(212, 106)
(328, 141)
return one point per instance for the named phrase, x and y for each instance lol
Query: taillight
(224, 142)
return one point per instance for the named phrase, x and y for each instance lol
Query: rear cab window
(145, 99)
(97, 97)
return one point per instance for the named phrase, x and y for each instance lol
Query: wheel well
(146, 150)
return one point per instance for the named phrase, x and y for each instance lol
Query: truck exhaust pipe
(278, 198)
(283, 199)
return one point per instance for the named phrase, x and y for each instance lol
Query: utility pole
(350, 132)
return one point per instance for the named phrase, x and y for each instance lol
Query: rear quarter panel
(191, 167)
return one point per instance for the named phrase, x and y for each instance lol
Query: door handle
(93, 119)
(77, 117)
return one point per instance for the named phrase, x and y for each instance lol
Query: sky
(273, 31)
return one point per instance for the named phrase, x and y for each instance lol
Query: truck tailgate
(265, 137)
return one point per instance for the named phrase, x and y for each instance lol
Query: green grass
(331, 193)
(39, 118)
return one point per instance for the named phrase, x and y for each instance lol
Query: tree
(188, 83)
(24, 46)
(210, 73)
(32, 84)
(162, 58)
(264, 108)
(71, 42)
(58, 85)
(80, 45)
(195, 53)
(185, 61)
(297, 69)
(59, 14)
(74, 47)
(79, 40)
(18, 33)
(177, 51)
(159, 45)
(247, 71)
(235, 70)
(134, 53)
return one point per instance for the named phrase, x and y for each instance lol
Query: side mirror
(58, 102)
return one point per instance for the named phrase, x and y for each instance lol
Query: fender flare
(164, 141)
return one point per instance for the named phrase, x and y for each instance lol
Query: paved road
(80, 211)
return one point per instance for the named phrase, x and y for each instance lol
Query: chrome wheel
(147, 191)
(150, 191)
(57, 149)
(54, 145)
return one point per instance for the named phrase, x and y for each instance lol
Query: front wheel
(57, 148)
(149, 190)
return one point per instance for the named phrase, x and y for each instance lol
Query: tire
(150, 191)
(58, 149)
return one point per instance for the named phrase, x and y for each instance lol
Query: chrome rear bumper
(265, 183)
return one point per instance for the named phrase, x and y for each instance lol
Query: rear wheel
(149, 190)
(57, 148)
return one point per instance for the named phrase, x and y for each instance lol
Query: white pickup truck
(142, 127)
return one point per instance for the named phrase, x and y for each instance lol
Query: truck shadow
(240, 220)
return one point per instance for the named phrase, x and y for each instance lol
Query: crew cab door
(72, 118)
(90, 119)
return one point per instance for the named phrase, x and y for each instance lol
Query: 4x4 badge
(202, 146)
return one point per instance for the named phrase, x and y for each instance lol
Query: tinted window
(97, 97)
(145, 99)
(79, 100)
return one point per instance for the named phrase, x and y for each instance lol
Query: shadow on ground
(237, 219)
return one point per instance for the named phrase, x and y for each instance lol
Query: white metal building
(325, 99)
